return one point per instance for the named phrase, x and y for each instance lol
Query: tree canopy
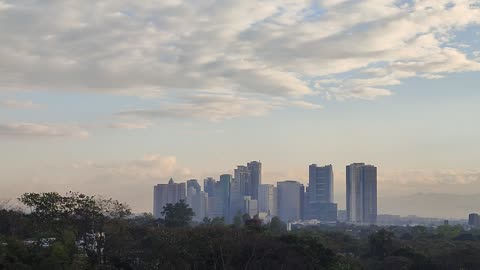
(177, 215)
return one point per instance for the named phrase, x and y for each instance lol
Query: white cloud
(130, 181)
(20, 129)
(4, 6)
(131, 125)
(306, 105)
(16, 104)
(255, 51)
(210, 106)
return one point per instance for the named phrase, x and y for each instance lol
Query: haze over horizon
(113, 97)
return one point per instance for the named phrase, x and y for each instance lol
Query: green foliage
(53, 212)
(449, 232)
(216, 221)
(177, 215)
(112, 239)
(237, 220)
(277, 226)
(381, 243)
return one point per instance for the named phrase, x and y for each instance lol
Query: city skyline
(269, 134)
(232, 196)
(114, 97)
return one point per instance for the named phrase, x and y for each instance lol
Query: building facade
(200, 205)
(267, 199)
(238, 189)
(290, 200)
(320, 184)
(474, 220)
(250, 206)
(209, 186)
(255, 169)
(361, 194)
(319, 202)
(223, 189)
(193, 183)
(164, 194)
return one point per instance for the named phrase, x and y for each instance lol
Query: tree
(449, 232)
(218, 221)
(381, 243)
(237, 220)
(85, 216)
(206, 221)
(177, 215)
(277, 226)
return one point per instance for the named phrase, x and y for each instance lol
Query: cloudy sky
(113, 96)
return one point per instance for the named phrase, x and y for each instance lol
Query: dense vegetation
(84, 232)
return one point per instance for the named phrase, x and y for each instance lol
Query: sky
(111, 97)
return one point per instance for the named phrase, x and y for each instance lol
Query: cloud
(130, 181)
(207, 105)
(32, 130)
(4, 6)
(306, 105)
(16, 104)
(257, 52)
(147, 168)
(131, 125)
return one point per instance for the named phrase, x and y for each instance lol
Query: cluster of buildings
(291, 201)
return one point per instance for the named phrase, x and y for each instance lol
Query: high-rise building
(320, 184)
(319, 204)
(193, 183)
(209, 186)
(361, 193)
(250, 206)
(474, 220)
(200, 205)
(245, 183)
(164, 194)
(290, 200)
(342, 215)
(255, 168)
(222, 194)
(219, 204)
(267, 199)
(238, 189)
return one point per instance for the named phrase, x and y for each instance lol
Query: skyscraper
(200, 205)
(255, 168)
(193, 183)
(320, 183)
(319, 204)
(164, 194)
(361, 193)
(223, 189)
(290, 200)
(245, 183)
(219, 204)
(267, 199)
(474, 220)
(238, 189)
(209, 186)
(250, 206)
